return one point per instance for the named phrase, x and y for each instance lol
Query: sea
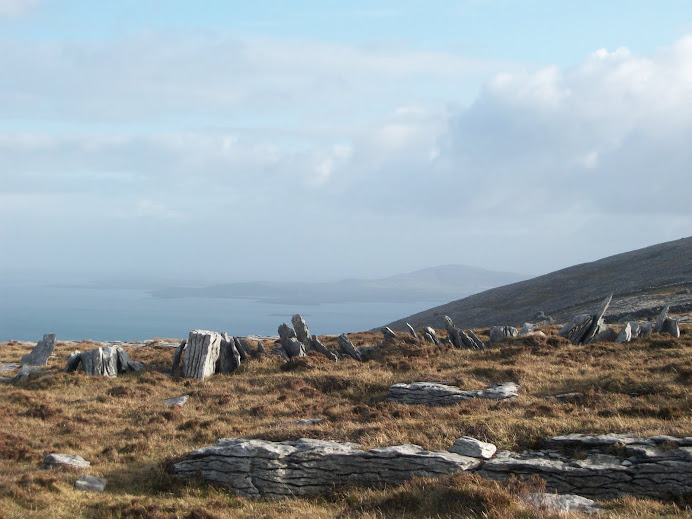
(107, 314)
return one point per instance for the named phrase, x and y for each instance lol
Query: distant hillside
(642, 281)
(431, 284)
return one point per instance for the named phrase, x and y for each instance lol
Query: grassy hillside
(130, 436)
(642, 281)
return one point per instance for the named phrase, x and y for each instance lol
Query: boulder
(39, 355)
(433, 393)
(453, 331)
(607, 335)
(302, 331)
(582, 328)
(347, 348)
(658, 325)
(526, 329)
(177, 401)
(567, 503)
(467, 446)
(241, 349)
(101, 362)
(625, 334)
(65, 460)
(90, 483)
(294, 348)
(478, 344)
(177, 356)
(202, 352)
(388, 333)
(261, 468)
(26, 370)
(500, 333)
(229, 357)
(671, 327)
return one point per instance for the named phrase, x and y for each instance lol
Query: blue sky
(323, 139)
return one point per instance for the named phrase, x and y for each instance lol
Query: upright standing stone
(583, 328)
(412, 332)
(500, 333)
(203, 349)
(453, 332)
(433, 336)
(240, 349)
(321, 348)
(388, 333)
(177, 356)
(476, 341)
(671, 327)
(658, 325)
(302, 331)
(229, 358)
(101, 362)
(39, 355)
(625, 334)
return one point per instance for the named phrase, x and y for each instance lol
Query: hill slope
(432, 284)
(641, 281)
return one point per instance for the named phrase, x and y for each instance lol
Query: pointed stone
(229, 358)
(241, 351)
(453, 331)
(176, 357)
(202, 352)
(432, 335)
(671, 327)
(348, 348)
(412, 332)
(625, 334)
(388, 333)
(39, 355)
(321, 348)
(658, 325)
(302, 331)
(478, 344)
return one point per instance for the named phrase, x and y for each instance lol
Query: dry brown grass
(121, 426)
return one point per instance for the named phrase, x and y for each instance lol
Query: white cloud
(15, 8)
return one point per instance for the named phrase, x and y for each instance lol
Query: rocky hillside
(642, 281)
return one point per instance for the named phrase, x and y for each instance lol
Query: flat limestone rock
(261, 468)
(39, 355)
(177, 401)
(9, 367)
(658, 467)
(569, 503)
(468, 446)
(433, 393)
(90, 483)
(65, 460)
(202, 352)
(500, 333)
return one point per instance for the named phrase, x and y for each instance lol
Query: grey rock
(285, 333)
(388, 333)
(177, 356)
(468, 446)
(240, 348)
(582, 328)
(260, 347)
(607, 335)
(429, 331)
(27, 370)
(645, 330)
(202, 352)
(260, 468)
(101, 362)
(476, 341)
(280, 351)
(321, 348)
(433, 393)
(229, 357)
(302, 331)
(569, 503)
(65, 460)
(453, 331)
(625, 334)
(658, 325)
(308, 421)
(413, 332)
(347, 348)
(44, 349)
(90, 483)
(177, 401)
(428, 337)
(671, 327)
(294, 348)
(9, 367)
(526, 329)
(500, 333)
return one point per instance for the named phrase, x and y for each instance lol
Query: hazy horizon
(312, 141)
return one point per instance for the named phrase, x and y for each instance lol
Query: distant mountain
(430, 284)
(641, 281)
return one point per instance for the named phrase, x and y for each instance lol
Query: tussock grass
(130, 436)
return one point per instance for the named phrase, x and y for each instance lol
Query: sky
(320, 140)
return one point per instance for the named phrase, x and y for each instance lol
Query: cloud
(16, 8)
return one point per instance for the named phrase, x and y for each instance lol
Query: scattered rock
(290, 343)
(433, 393)
(229, 357)
(241, 349)
(65, 460)
(202, 352)
(658, 325)
(302, 331)
(582, 328)
(478, 344)
(90, 483)
(39, 355)
(625, 334)
(308, 421)
(607, 335)
(27, 370)
(454, 335)
(177, 356)
(467, 446)
(261, 468)
(388, 333)
(347, 348)
(429, 332)
(321, 348)
(500, 333)
(8, 367)
(177, 401)
(569, 503)
(106, 361)
(526, 329)
(671, 327)
(412, 332)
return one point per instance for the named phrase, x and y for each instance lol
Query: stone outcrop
(290, 343)
(413, 332)
(614, 465)
(584, 327)
(568, 503)
(260, 468)
(230, 358)
(27, 370)
(39, 355)
(347, 348)
(431, 336)
(461, 339)
(107, 361)
(302, 331)
(321, 348)
(433, 393)
(500, 333)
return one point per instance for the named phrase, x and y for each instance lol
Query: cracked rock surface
(433, 393)
(261, 468)
(657, 467)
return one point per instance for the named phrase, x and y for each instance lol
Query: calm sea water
(26, 313)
